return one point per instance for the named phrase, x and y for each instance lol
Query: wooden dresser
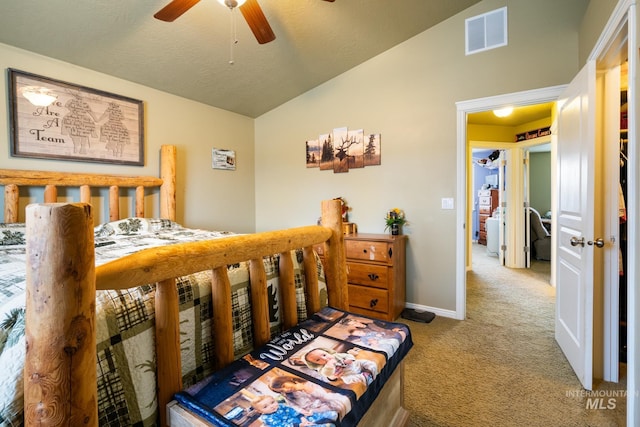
(487, 202)
(376, 274)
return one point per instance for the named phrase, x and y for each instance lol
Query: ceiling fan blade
(174, 10)
(257, 21)
(330, 0)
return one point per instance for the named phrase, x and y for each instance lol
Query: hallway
(481, 259)
(501, 366)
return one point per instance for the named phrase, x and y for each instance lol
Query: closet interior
(622, 215)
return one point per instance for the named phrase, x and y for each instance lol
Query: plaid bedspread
(125, 320)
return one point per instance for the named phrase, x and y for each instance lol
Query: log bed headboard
(51, 181)
(60, 371)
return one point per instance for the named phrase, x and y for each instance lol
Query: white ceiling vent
(486, 31)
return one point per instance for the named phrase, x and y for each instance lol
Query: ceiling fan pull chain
(234, 36)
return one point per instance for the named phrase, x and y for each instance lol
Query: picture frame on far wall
(79, 123)
(223, 159)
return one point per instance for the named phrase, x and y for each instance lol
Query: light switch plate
(447, 203)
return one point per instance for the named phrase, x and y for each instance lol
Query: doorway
(537, 96)
(465, 110)
(510, 187)
(617, 42)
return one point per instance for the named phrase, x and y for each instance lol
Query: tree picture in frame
(342, 150)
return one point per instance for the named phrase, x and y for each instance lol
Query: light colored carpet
(501, 366)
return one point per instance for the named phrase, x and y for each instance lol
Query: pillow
(133, 226)
(12, 234)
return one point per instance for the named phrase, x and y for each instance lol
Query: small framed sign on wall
(223, 159)
(52, 119)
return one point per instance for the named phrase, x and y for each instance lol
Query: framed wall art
(223, 159)
(52, 119)
(342, 150)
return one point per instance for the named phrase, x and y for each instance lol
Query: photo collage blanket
(326, 371)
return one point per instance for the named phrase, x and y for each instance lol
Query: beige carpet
(502, 366)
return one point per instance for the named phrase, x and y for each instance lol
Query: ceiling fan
(250, 9)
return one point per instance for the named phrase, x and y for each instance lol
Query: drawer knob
(373, 302)
(373, 276)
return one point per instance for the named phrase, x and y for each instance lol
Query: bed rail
(59, 383)
(14, 179)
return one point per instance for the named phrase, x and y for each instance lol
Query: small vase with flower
(394, 221)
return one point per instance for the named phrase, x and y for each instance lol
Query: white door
(527, 202)
(575, 223)
(502, 204)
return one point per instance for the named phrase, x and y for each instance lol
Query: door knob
(577, 242)
(598, 243)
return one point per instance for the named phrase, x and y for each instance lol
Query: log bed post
(287, 283)
(259, 311)
(222, 319)
(11, 203)
(60, 360)
(311, 279)
(168, 357)
(335, 258)
(168, 187)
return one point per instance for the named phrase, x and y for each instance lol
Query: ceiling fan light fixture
(231, 4)
(503, 112)
(39, 96)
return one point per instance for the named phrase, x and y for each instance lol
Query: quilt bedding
(326, 371)
(125, 320)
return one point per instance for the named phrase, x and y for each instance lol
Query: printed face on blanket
(279, 398)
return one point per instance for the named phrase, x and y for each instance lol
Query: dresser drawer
(367, 250)
(367, 275)
(484, 210)
(485, 201)
(369, 299)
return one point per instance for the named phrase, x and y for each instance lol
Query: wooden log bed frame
(62, 279)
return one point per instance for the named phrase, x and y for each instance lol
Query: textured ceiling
(315, 41)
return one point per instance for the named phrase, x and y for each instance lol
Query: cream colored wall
(408, 94)
(594, 20)
(193, 127)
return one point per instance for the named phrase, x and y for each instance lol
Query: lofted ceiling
(315, 41)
